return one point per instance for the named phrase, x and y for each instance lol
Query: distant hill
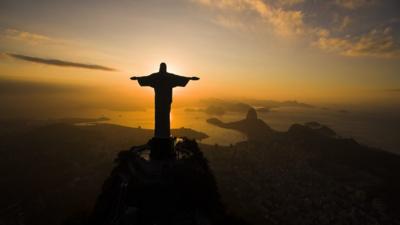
(254, 128)
(306, 175)
(219, 107)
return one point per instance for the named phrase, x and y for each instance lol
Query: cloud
(17, 87)
(290, 19)
(354, 4)
(287, 23)
(331, 44)
(284, 22)
(376, 43)
(344, 23)
(231, 23)
(290, 2)
(57, 62)
(393, 90)
(28, 37)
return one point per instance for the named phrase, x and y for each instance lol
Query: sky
(82, 53)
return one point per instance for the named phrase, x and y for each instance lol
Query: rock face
(251, 115)
(255, 129)
(174, 191)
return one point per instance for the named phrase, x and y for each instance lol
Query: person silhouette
(163, 83)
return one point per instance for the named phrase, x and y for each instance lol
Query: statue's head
(163, 68)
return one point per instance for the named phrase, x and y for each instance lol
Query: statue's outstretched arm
(189, 78)
(138, 77)
(180, 81)
(145, 80)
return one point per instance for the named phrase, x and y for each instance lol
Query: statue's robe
(163, 84)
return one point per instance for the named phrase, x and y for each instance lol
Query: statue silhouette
(163, 82)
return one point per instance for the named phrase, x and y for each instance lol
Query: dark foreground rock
(178, 190)
(308, 175)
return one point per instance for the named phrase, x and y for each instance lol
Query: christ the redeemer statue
(163, 82)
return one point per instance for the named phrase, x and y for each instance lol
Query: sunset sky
(308, 50)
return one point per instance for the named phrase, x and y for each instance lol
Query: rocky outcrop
(254, 128)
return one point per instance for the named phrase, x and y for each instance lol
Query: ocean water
(373, 128)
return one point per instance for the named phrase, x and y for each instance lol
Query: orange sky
(311, 51)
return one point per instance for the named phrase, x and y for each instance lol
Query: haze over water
(372, 127)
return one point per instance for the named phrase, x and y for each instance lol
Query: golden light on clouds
(283, 49)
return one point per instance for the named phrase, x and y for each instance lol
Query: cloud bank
(376, 43)
(28, 37)
(18, 87)
(62, 63)
(332, 26)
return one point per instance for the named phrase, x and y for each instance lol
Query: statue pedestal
(161, 148)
